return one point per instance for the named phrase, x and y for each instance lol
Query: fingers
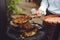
(34, 13)
(37, 14)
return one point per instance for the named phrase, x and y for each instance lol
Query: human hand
(37, 14)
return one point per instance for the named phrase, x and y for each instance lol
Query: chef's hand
(37, 14)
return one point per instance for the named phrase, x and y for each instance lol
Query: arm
(44, 6)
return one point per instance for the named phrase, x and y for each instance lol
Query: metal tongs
(39, 26)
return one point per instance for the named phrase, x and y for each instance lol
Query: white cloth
(54, 6)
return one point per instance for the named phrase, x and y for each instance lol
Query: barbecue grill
(34, 31)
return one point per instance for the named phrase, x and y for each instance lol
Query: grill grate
(16, 35)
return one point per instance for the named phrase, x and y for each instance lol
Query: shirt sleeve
(44, 6)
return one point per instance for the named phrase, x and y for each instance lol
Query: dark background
(3, 20)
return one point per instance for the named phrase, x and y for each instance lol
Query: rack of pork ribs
(52, 19)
